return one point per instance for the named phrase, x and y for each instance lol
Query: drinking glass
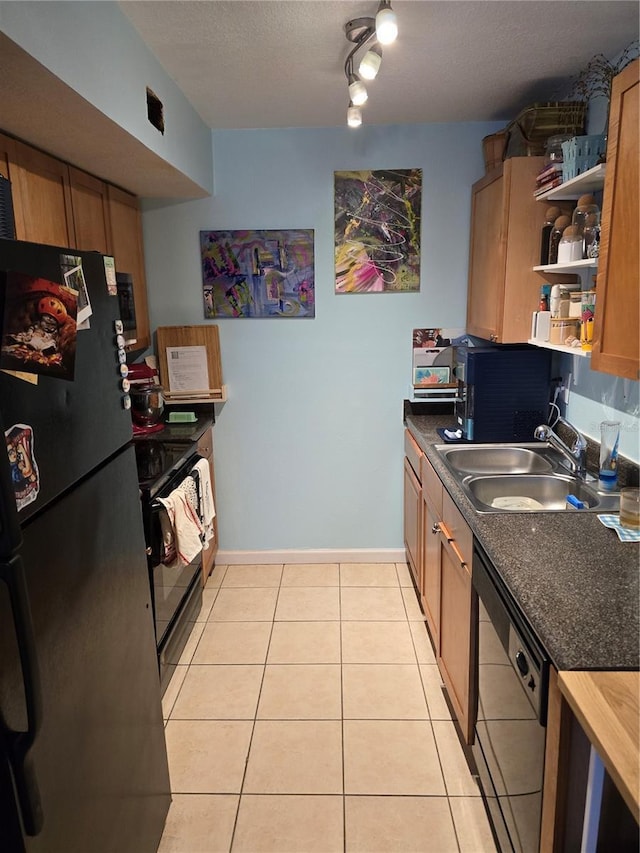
(630, 508)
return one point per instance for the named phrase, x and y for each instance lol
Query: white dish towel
(207, 508)
(185, 526)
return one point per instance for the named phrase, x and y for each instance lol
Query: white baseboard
(355, 555)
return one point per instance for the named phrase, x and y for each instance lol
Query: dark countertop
(576, 583)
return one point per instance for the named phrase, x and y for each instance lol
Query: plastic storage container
(582, 153)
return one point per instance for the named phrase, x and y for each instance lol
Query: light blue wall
(308, 448)
(93, 48)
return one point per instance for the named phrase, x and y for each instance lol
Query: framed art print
(258, 273)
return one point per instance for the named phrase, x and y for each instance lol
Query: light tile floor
(306, 714)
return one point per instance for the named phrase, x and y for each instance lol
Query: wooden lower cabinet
(412, 522)
(458, 616)
(447, 596)
(431, 565)
(413, 508)
(205, 449)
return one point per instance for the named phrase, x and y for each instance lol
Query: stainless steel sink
(498, 459)
(525, 477)
(528, 492)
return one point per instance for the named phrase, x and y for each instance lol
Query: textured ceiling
(280, 63)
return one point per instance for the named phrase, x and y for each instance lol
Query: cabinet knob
(493, 338)
(435, 528)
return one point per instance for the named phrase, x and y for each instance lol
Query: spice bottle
(556, 235)
(545, 291)
(550, 217)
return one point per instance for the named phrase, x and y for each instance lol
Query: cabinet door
(8, 171)
(7, 156)
(454, 653)
(90, 212)
(430, 592)
(486, 257)
(412, 522)
(205, 449)
(506, 223)
(615, 334)
(127, 248)
(458, 615)
(44, 213)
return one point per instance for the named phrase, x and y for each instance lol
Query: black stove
(164, 459)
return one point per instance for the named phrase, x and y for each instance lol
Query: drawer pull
(454, 547)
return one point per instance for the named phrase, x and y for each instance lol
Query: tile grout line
(255, 716)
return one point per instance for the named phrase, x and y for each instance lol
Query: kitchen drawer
(432, 486)
(413, 453)
(458, 529)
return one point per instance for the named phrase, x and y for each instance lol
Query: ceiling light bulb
(357, 91)
(386, 23)
(370, 64)
(354, 116)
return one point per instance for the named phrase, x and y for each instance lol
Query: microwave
(124, 286)
(503, 391)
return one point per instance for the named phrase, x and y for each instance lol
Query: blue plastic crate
(581, 154)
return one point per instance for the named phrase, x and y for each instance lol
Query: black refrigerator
(83, 764)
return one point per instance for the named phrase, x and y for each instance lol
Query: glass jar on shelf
(586, 214)
(552, 213)
(556, 235)
(570, 247)
(591, 236)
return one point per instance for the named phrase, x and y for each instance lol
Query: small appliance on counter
(147, 400)
(503, 391)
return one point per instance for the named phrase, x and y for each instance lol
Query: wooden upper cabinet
(7, 155)
(615, 334)
(90, 212)
(127, 249)
(506, 223)
(42, 197)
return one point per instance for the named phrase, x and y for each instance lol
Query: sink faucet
(575, 456)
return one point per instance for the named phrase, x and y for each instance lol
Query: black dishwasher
(509, 744)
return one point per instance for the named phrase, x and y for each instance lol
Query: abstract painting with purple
(377, 231)
(258, 273)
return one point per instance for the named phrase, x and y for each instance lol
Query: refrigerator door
(72, 424)
(19, 805)
(100, 757)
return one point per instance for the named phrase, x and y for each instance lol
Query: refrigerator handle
(19, 743)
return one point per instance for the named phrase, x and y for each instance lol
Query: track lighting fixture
(386, 23)
(354, 115)
(357, 90)
(380, 30)
(370, 63)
